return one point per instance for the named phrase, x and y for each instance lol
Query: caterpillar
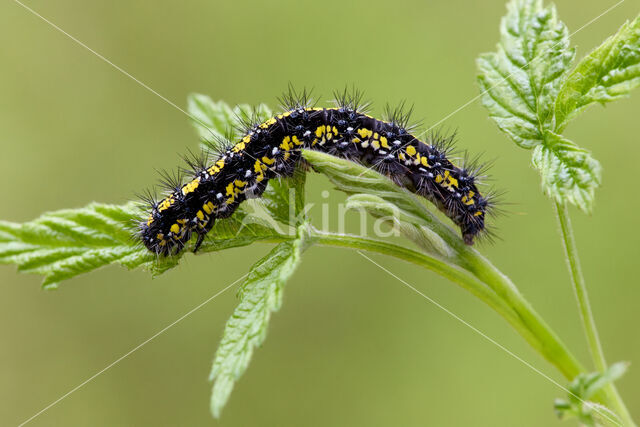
(273, 149)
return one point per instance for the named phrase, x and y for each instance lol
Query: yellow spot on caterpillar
(230, 189)
(286, 143)
(238, 183)
(246, 139)
(268, 123)
(355, 140)
(200, 215)
(267, 160)
(320, 131)
(439, 179)
(295, 140)
(424, 162)
(477, 213)
(166, 203)
(150, 220)
(238, 147)
(258, 166)
(175, 229)
(411, 150)
(191, 186)
(208, 208)
(331, 132)
(383, 142)
(375, 144)
(401, 156)
(217, 167)
(364, 133)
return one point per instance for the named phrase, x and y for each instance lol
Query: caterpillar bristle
(351, 99)
(148, 197)
(195, 162)
(170, 180)
(400, 116)
(294, 100)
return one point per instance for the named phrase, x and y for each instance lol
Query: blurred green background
(351, 345)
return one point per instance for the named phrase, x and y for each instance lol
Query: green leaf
(60, 245)
(261, 295)
(520, 81)
(608, 73)
(388, 199)
(411, 226)
(243, 228)
(589, 384)
(583, 387)
(569, 173)
(63, 244)
(216, 121)
(285, 198)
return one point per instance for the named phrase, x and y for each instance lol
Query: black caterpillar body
(272, 149)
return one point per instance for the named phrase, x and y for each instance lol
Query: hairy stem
(588, 321)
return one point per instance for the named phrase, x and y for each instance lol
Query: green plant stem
(588, 321)
(493, 288)
(553, 349)
(533, 330)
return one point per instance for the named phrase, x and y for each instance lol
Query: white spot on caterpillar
(247, 174)
(219, 195)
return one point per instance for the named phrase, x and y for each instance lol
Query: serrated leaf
(569, 173)
(216, 120)
(60, 245)
(420, 224)
(520, 81)
(353, 178)
(63, 244)
(608, 73)
(261, 295)
(411, 226)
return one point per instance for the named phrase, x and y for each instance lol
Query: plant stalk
(493, 288)
(530, 326)
(586, 314)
